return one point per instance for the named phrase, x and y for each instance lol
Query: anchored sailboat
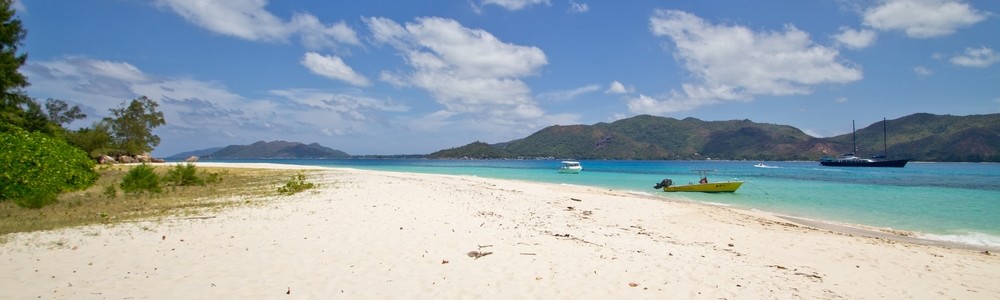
(850, 160)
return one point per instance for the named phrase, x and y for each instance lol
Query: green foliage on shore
(296, 184)
(103, 203)
(183, 175)
(17, 110)
(35, 167)
(140, 179)
(40, 159)
(11, 35)
(133, 125)
(95, 140)
(60, 112)
(46, 159)
(144, 179)
(36, 163)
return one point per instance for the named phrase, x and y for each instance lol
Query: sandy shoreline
(376, 235)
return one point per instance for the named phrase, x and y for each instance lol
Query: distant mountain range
(275, 149)
(922, 137)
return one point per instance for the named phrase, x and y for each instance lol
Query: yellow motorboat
(702, 186)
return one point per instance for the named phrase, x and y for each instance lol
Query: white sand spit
(382, 235)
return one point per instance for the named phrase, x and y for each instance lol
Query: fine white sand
(377, 235)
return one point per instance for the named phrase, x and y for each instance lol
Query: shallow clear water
(950, 201)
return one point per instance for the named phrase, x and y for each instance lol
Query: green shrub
(95, 141)
(214, 177)
(297, 184)
(141, 178)
(35, 168)
(183, 175)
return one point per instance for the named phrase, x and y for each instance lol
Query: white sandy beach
(382, 235)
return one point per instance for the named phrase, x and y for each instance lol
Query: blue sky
(413, 77)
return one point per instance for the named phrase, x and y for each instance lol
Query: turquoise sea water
(957, 202)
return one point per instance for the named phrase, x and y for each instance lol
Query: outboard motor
(665, 183)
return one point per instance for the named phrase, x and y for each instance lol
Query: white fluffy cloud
(246, 19)
(466, 70)
(249, 20)
(976, 57)
(855, 39)
(82, 67)
(354, 107)
(922, 18)
(618, 88)
(99, 85)
(734, 63)
(315, 35)
(332, 67)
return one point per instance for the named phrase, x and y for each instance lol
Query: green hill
(275, 149)
(923, 137)
(928, 137)
(581, 142)
(477, 150)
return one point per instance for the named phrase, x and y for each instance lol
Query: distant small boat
(702, 186)
(762, 165)
(850, 160)
(570, 167)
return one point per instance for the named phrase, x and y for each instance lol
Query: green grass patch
(296, 184)
(108, 201)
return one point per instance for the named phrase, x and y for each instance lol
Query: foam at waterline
(638, 193)
(968, 238)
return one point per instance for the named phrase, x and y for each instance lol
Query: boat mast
(885, 140)
(854, 138)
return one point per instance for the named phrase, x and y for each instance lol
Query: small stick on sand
(477, 254)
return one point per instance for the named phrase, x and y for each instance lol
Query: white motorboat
(570, 167)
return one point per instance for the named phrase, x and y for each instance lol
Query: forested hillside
(922, 137)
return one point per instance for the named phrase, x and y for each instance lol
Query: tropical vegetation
(104, 202)
(39, 158)
(36, 167)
